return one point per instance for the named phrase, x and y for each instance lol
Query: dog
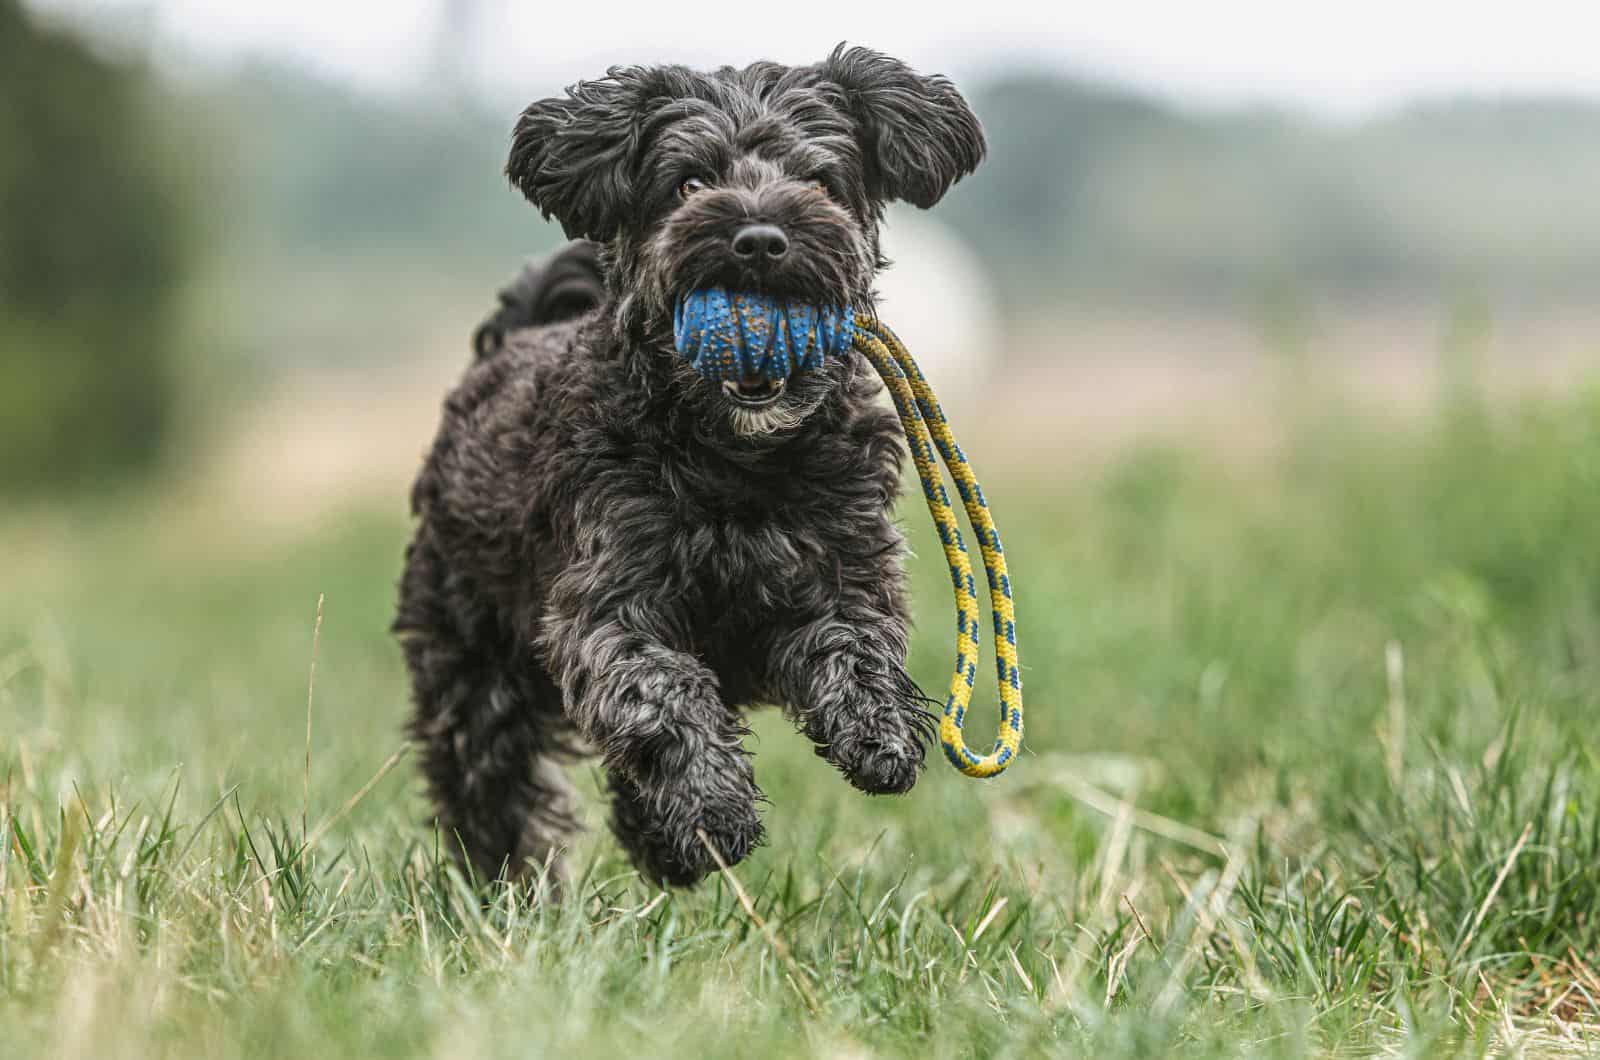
(614, 556)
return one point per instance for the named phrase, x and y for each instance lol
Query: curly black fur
(612, 555)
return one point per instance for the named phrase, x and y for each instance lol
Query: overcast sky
(1344, 57)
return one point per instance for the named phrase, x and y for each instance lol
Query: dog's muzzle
(752, 343)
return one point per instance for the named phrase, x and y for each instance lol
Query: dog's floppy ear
(575, 156)
(919, 135)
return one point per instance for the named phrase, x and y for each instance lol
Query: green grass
(1312, 769)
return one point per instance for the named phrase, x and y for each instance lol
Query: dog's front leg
(843, 677)
(669, 742)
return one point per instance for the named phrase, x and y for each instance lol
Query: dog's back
(562, 286)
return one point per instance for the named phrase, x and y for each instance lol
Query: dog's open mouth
(754, 392)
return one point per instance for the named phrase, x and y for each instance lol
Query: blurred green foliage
(93, 243)
(347, 229)
(315, 167)
(1092, 192)
(358, 226)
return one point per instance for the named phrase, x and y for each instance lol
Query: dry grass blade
(1154, 823)
(988, 918)
(350, 803)
(1583, 973)
(1508, 1030)
(311, 691)
(1016, 966)
(1394, 737)
(1208, 913)
(61, 875)
(1494, 888)
(1116, 850)
(1117, 965)
(1139, 920)
(778, 947)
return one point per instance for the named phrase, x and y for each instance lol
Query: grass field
(1312, 769)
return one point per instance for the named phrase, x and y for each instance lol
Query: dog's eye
(690, 186)
(817, 184)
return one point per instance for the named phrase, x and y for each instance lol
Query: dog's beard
(776, 418)
(803, 397)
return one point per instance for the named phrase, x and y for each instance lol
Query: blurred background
(243, 246)
(1272, 328)
(1212, 260)
(1220, 269)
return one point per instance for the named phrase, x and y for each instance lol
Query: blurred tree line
(93, 244)
(313, 167)
(1094, 193)
(351, 227)
(262, 218)
(1090, 194)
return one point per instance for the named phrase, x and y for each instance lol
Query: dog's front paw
(877, 736)
(877, 759)
(675, 853)
(732, 830)
(667, 827)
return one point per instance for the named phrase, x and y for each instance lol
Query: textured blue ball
(732, 335)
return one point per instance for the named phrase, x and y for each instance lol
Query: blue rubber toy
(734, 335)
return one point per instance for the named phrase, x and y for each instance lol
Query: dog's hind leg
(490, 739)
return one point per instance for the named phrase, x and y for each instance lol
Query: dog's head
(770, 179)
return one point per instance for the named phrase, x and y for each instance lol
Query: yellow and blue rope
(928, 433)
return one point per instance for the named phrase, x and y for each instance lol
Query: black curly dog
(614, 555)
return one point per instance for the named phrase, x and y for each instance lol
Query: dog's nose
(755, 242)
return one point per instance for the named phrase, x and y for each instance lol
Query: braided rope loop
(929, 436)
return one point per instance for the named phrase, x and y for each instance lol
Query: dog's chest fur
(733, 538)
